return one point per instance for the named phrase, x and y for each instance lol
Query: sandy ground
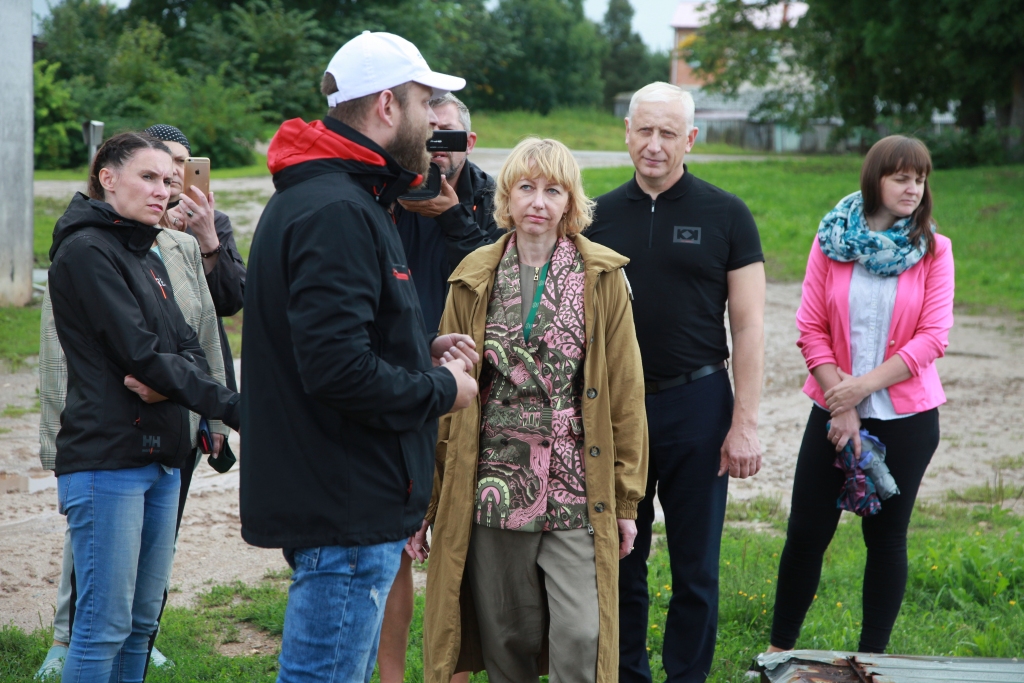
(983, 373)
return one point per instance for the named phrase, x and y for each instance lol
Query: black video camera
(440, 141)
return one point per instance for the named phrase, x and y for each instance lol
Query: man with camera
(341, 386)
(437, 234)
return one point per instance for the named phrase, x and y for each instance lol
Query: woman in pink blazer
(876, 311)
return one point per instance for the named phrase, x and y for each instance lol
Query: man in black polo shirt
(692, 249)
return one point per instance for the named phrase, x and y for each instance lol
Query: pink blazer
(921, 319)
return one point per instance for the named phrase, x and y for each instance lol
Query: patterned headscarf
(162, 131)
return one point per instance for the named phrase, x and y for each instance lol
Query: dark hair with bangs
(887, 157)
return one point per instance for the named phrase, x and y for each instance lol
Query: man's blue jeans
(122, 534)
(335, 609)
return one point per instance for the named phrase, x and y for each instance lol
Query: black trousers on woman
(910, 443)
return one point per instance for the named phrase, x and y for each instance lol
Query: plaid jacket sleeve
(184, 266)
(53, 384)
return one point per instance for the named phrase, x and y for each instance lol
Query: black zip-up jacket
(340, 399)
(115, 315)
(436, 246)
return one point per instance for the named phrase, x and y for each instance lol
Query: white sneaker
(158, 660)
(53, 666)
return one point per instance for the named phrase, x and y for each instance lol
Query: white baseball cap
(372, 62)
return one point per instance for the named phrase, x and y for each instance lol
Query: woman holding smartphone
(135, 371)
(876, 311)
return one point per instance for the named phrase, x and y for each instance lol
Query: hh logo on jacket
(150, 443)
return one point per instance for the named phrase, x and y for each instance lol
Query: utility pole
(16, 156)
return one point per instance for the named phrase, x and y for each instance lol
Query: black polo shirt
(681, 247)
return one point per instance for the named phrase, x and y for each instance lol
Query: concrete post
(16, 157)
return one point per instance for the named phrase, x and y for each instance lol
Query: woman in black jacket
(135, 369)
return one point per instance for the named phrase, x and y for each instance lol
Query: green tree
(77, 34)
(56, 118)
(560, 60)
(871, 63)
(220, 118)
(276, 54)
(627, 64)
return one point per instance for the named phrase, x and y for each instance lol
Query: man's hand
(218, 443)
(741, 452)
(432, 208)
(847, 394)
(449, 347)
(466, 384)
(144, 392)
(417, 547)
(627, 534)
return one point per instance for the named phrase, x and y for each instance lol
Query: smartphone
(197, 172)
(429, 188)
(204, 437)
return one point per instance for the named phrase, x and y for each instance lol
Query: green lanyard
(528, 323)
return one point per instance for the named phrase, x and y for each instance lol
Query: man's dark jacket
(436, 246)
(339, 417)
(115, 315)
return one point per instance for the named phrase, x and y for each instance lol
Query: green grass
(964, 598)
(63, 174)
(47, 211)
(19, 333)
(980, 210)
(257, 169)
(581, 129)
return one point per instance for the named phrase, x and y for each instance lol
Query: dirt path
(983, 373)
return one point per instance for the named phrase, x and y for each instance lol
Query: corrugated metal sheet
(823, 666)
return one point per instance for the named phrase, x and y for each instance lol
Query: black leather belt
(655, 387)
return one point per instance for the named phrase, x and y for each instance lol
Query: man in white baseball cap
(341, 395)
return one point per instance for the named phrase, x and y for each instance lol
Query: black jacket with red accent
(340, 399)
(115, 315)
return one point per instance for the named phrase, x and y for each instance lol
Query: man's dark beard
(409, 148)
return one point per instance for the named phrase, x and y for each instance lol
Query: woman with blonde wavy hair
(537, 483)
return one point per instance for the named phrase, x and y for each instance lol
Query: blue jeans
(335, 609)
(122, 535)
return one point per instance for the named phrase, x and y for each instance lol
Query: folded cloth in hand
(868, 480)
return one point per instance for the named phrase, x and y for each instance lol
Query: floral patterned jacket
(531, 475)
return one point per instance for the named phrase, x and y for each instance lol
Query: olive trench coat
(615, 432)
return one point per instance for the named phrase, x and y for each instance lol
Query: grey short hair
(449, 98)
(659, 91)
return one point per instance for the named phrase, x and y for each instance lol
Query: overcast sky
(650, 21)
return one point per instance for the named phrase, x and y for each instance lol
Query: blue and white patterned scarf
(844, 236)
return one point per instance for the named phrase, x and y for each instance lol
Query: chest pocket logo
(683, 234)
(400, 272)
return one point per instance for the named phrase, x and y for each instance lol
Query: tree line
(880, 67)
(229, 72)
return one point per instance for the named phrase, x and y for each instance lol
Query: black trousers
(909, 443)
(687, 427)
